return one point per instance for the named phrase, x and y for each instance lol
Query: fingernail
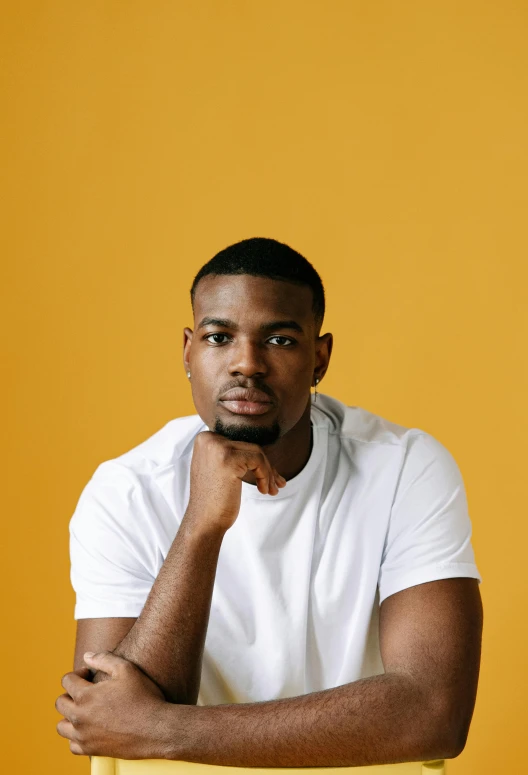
(89, 654)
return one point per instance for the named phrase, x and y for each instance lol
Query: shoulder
(412, 449)
(356, 424)
(144, 463)
(165, 447)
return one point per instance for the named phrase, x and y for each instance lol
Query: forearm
(378, 720)
(167, 640)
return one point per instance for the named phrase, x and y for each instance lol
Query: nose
(247, 359)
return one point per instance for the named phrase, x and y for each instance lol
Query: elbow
(458, 742)
(456, 723)
(439, 745)
(446, 747)
(445, 735)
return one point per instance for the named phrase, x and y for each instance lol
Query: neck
(292, 451)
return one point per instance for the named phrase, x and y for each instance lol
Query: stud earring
(188, 375)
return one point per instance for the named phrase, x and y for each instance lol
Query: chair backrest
(105, 766)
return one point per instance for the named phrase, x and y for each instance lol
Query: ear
(323, 351)
(187, 339)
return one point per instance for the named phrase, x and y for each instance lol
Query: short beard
(252, 434)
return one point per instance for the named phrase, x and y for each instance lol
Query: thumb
(105, 661)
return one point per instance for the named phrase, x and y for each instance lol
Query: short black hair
(263, 257)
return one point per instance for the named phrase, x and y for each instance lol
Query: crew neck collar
(250, 491)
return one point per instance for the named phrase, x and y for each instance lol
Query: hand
(121, 717)
(217, 469)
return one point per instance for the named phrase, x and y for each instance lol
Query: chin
(263, 435)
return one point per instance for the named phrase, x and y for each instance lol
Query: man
(279, 580)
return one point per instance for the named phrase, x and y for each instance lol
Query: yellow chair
(102, 765)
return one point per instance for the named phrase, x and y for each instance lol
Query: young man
(280, 580)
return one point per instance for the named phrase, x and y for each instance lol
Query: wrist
(198, 527)
(178, 730)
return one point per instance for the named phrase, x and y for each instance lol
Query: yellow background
(386, 141)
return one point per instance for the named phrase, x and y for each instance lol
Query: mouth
(246, 401)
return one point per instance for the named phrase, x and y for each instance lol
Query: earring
(317, 380)
(188, 375)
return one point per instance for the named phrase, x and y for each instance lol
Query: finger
(76, 748)
(65, 706)
(259, 465)
(276, 481)
(280, 481)
(83, 672)
(272, 489)
(252, 458)
(106, 661)
(74, 684)
(66, 729)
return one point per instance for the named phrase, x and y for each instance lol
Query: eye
(216, 338)
(282, 341)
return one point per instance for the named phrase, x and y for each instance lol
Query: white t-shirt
(300, 577)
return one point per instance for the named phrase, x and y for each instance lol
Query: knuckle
(252, 447)
(228, 453)
(263, 460)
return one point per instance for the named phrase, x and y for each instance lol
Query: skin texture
(253, 358)
(141, 703)
(99, 635)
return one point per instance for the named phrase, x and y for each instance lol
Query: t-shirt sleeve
(429, 534)
(111, 557)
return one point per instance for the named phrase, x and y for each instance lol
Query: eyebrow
(274, 325)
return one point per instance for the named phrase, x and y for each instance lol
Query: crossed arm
(420, 709)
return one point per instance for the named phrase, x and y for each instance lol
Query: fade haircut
(262, 257)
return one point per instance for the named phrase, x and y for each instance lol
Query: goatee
(251, 433)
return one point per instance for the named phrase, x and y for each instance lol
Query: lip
(247, 407)
(246, 401)
(246, 394)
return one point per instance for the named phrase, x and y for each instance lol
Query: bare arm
(102, 634)
(420, 709)
(167, 640)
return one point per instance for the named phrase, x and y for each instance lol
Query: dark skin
(430, 634)
(254, 357)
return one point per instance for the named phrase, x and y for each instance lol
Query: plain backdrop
(386, 141)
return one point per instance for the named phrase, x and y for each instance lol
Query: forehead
(246, 298)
